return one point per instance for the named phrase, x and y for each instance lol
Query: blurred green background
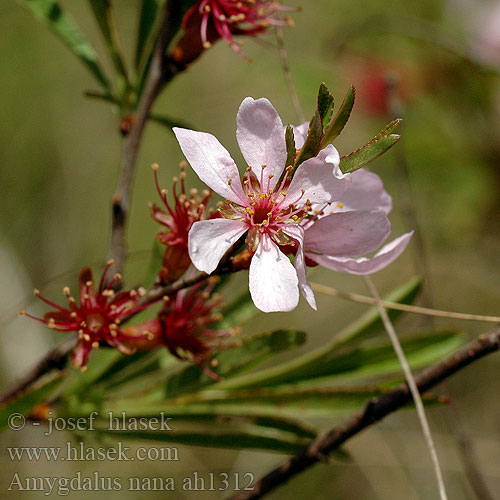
(59, 157)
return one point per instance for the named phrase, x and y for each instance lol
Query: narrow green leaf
(240, 310)
(290, 146)
(325, 105)
(63, 25)
(147, 20)
(170, 122)
(307, 366)
(338, 123)
(252, 351)
(103, 13)
(223, 436)
(368, 153)
(288, 400)
(312, 143)
(25, 404)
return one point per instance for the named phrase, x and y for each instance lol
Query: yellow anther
(183, 164)
(83, 369)
(36, 292)
(86, 296)
(117, 277)
(132, 293)
(214, 362)
(22, 313)
(86, 337)
(110, 262)
(95, 345)
(66, 290)
(230, 181)
(207, 44)
(165, 298)
(155, 166)
(142, 291)
(89, 283)
(340, 205)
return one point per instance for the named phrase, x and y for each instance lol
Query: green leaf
(243, 436)
(338, 123)
(240, 310)
(103, 13)
(62, 24)
(252, 351)
(25, 403)
(312, 143)
(147, 20)
(320, 361)
(285, 400)
(372, 362)
(325, 105)
(170, 122)
(369, 152)
(290, 146)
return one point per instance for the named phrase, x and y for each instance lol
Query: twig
(374, 411)
(363, 299)
(160, 73)
(54, 360)
(410, 380)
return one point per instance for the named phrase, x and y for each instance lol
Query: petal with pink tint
(366, 193)
(273, 279)
(300, 134)
(387, 254)
(209, 240)
(211, 161)
(297, 233)
(348, 233)
(261, 138)
(320, 178)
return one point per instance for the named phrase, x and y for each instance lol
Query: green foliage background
(59, 155)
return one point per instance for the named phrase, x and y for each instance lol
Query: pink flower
(357, 224)
(96, 318)
(267, 205)
(338, 234)
(178, 219)
(216, 19)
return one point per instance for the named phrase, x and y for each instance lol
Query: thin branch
(160, 73)
(410, 380)
(363, 299)
(54, 360)
(374, 411)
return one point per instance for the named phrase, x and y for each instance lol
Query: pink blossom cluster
(315, 212)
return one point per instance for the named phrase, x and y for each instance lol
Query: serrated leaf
(252, 351)
(325, 104)
(286, 400)
(307, 365)
(290, 146)
(241, 437)
(368, 153)
(312, 143)
(339, 121)
(63, 25)
(25, 403)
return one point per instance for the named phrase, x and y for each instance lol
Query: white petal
(211, 161)
(261, 138)
(363, 265)
(297, 233)
(366, 193)
(300, 134)
(320, 177)
(273, 279)
(209, 240)
(348, 234)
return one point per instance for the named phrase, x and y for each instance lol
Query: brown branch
(374, 411)
(54, 360)
(161, 72)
